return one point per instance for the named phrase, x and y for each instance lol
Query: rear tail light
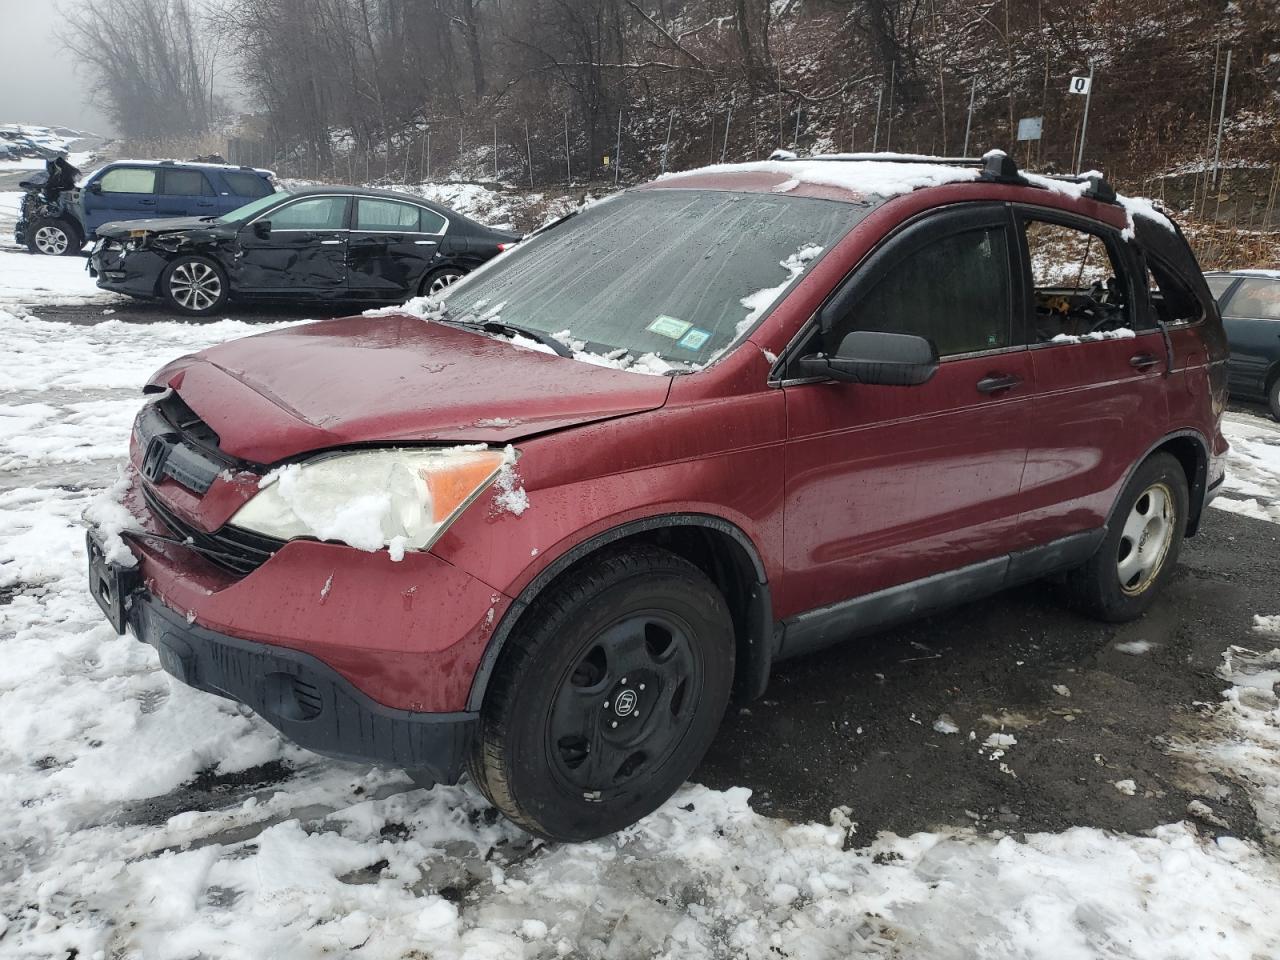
(504, 247)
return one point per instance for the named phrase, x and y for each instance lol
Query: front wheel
(55, 238)
(194, 285)
(1140, 550)
(1273, 398)
(606, 696)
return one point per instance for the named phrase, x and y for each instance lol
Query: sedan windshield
(254, 206)
(676, 273)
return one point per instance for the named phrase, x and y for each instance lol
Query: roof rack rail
(1099, 189)
(996, 166)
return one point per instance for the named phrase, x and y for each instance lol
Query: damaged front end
(130, 256)
(48, 195)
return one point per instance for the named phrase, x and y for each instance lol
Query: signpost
(1084, 87)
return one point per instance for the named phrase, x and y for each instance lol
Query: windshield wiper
(501, 326)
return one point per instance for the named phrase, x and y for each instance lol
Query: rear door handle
(997, 382)
(330, 241)
(1143, 361)
(424, 242)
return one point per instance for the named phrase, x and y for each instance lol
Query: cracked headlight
(369, 499)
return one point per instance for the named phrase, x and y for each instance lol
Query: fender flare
(1195, 487)
(760, 616)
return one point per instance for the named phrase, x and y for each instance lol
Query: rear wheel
(55, 238)
(606, 696)
(194, 285)
(437, 281)
(1141, 547)
(1273, 397)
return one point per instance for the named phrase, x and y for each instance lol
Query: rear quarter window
(244, 184)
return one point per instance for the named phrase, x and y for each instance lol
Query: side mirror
(262, 229)
(96, 188)
(869, 356)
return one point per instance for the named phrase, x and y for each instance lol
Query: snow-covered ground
(103, 854)
(28, 280)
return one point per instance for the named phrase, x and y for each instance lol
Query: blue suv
(57, 219)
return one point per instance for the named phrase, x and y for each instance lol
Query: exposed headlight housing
(370, 499)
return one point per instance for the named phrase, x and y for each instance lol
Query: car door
(185, 193)
(1099, 364)
(298, 248)
(391, 248)
(1251, 316)
(886, 485)
(122, 193)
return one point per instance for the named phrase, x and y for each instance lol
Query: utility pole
(528, 152)
(1222, 117)
(495, 151)
(568, 163)
(727, 120)
(617, 152)
(875, 139)
(968, 124)
(888, 133)
(667, 146)
(1084, 124)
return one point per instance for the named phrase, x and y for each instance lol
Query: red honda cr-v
(544, 530)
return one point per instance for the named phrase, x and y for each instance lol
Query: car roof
(1257, 273)
(231, 167)
(863, 177)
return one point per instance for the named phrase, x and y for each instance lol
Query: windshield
(676, 273)
(255, 206)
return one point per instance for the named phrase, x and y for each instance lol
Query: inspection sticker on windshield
(666, 326)
(694, 339)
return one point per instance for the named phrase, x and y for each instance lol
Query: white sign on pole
(1080, 85)
(1030, 128)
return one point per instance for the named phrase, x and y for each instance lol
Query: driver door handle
(997, 382)
(330, 241)
(1143, 361)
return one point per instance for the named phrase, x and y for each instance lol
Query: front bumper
(305, 699)
(135, 272)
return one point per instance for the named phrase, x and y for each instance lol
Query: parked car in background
(729, 417)
(323, 243)
(1250, 305)
(133, 190)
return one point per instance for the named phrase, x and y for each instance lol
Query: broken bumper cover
(304, 699)
(135, 272)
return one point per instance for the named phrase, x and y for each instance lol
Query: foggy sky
(38, 80)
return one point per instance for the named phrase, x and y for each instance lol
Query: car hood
(121, 229)
(379, 379)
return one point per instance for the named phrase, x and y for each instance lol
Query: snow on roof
(882, 175)
(893, 174)
(190, 163)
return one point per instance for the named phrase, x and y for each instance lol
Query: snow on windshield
(757, 303)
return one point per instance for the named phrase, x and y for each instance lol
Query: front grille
(176, 443)
(228, 547)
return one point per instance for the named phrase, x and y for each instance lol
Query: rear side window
(1219, 285)
(129, 180)
(955, 291)
(185, 183)
(1254, 299)
(429, 222)
(1078, 285)
(246, 184)
(318, 213)
(387, 215)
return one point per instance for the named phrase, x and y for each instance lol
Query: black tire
(1122, 579)
(435, 281)
(639, 635)
(55, 237)
(194, 285)
(1273, 397)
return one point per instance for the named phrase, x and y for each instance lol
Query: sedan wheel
(194, 285)
(438, 282)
